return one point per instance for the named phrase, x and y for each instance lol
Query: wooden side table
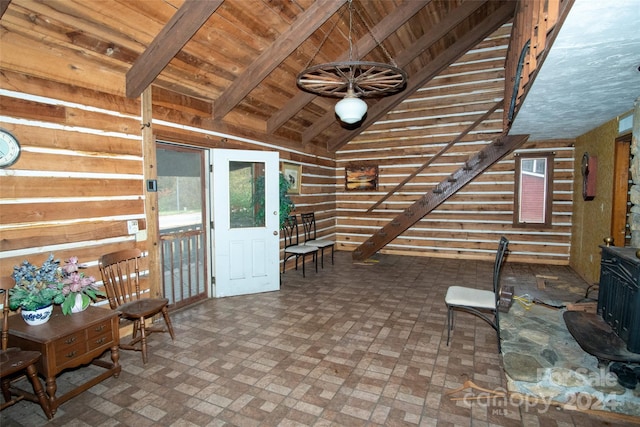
(69, 342)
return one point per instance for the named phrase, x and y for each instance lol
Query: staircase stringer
(473, 167)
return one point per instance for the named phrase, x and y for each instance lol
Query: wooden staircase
(445, 189)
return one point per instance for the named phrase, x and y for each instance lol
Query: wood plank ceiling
(239, 67)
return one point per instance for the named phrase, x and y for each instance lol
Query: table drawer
(71, 341)
(100, 341)
(65, 353)
(99, 329)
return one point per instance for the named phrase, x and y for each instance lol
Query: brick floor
(352, 345)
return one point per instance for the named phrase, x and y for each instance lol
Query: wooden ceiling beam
(169, 41)
(271, 58)
(366, 44)
(449, 56)
(4, 4)
(454, 18)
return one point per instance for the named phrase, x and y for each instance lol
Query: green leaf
(85, 301)
(68, 303)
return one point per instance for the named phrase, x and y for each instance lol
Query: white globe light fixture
(351, 109)
(353, 80)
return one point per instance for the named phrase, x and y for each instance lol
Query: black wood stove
(613, 334)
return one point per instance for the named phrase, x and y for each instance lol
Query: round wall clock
(9, 149)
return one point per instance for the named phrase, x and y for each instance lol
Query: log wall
(470, 223)
(80, 174)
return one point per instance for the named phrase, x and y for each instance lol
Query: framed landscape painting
(361, 178)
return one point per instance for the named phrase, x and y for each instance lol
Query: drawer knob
(101, 341)
(72, 354)
(70, 340)
(99, 328)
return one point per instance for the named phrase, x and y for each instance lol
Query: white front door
(246, 226)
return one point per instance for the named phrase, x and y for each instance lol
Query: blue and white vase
(37, 317)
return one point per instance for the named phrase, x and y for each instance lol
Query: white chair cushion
(320, 243)
(301, 249)
(460, 295)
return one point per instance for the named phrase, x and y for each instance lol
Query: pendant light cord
(350, 28)
(326, 36)
(378, 43)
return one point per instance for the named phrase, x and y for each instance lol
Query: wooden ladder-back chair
(479, 302)
(309, 226)
(121, 275)
(14, 362)
(292, 248)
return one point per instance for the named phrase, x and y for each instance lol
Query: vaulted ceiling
(236, 61)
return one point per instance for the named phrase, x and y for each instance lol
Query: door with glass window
(246, 235)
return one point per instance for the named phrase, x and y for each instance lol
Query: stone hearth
(545, 364)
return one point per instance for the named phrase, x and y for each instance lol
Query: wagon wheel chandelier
(352, 80)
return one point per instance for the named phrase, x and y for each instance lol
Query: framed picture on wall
(361, 178)
(293, 174)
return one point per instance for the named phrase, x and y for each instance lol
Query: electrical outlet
(132, 226)
(141, 236)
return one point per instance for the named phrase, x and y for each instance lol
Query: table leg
(5, 389)
(115, 358)
(51, 392)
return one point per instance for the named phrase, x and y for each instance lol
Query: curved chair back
(121, 276)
